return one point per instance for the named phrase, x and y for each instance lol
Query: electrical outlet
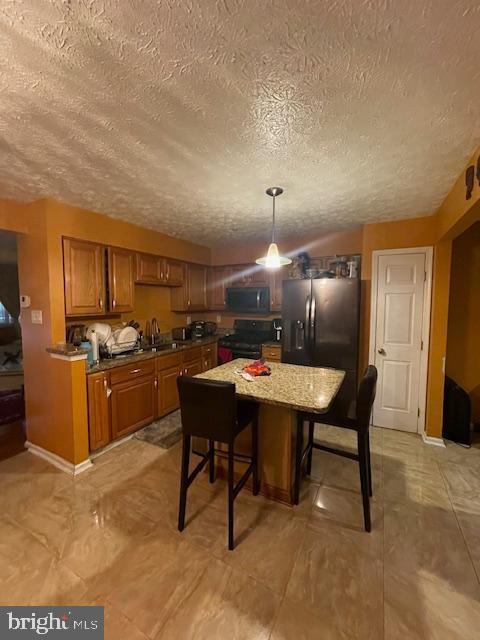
(24, 301)
(36, 316)
(219, 318)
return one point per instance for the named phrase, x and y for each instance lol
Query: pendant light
(273, 260)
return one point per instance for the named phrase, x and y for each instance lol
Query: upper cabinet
(148, 269)
(173, 273)
(218, 280)
(92, 289)
(277, 276)
(197, 287)
(152, 269)
(248, 275)
(121, 280)
(84, 268)
(192, 295)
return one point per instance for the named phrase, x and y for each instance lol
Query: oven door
(248, 299)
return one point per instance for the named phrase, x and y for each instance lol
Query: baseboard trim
(436, 442)
(268, 491)
(110, 446)
(58, 461)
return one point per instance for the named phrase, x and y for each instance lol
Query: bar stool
(359, 423)
(210, 410)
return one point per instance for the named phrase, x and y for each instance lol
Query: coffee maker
(277, 327)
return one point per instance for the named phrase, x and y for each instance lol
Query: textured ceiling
(177, 114)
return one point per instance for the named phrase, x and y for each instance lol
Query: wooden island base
(276, 453)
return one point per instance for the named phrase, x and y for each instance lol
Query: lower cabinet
(127, 398)
(209, 356)
(98, 410)
(168, 369)
(133, 405)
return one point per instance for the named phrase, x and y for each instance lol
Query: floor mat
(164, 432)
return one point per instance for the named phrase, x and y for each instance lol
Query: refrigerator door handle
(308, 304)
(311, 333)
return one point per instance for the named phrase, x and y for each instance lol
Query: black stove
(248, 337)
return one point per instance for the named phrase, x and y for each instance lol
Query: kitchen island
(289, 389)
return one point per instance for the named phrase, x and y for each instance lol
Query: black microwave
(248, 299)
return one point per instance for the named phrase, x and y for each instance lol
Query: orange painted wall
(463, 338)
(337, 243)
(455, 215)
(56, 390)
(399, 234)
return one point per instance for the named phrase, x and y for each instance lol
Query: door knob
(382, 351)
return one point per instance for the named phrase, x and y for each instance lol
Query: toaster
(181, 333)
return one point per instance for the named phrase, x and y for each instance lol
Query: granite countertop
(272, 343)
(296, 387)
(111, 363)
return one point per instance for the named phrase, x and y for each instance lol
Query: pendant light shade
(273, 260)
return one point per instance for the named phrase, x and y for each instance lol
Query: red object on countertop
(258, 368)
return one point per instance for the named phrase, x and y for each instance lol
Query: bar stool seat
(209, 409)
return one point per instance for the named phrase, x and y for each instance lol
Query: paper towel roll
(94, 343)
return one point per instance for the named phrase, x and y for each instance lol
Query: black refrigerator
(320, 322)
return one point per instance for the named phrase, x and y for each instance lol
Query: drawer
(272, 353)
(192, 354)
(208, 349)
(132, 371)
(167, 362)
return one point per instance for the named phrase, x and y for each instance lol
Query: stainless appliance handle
(308, 304)
(313, 312)
(258, 299)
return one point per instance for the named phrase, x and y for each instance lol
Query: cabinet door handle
(167, 275)
(155, 383)
(114, 303)
(100, 302)
(161, 275)
(135, 371)
(186, 371)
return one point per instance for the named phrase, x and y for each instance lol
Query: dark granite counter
(119, 361)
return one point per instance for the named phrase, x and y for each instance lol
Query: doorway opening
(462, 365)
(12, 397)
(399, 336)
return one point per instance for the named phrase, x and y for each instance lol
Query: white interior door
(398, 344)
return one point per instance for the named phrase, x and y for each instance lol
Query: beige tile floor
(109, 536)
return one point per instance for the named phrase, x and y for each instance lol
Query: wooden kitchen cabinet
(168, 369)
(197, 287)
(276, 278)
(156, 270)
(173, 273)
(121, 278)
(219, 280)
(98, 410)
(248, 275)
(192, 361)
(148, 269)
(192, 296)
(84, 273)
(209, 356)
(133, 405)
(272, 353)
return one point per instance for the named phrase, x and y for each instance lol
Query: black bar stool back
(209, 409)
